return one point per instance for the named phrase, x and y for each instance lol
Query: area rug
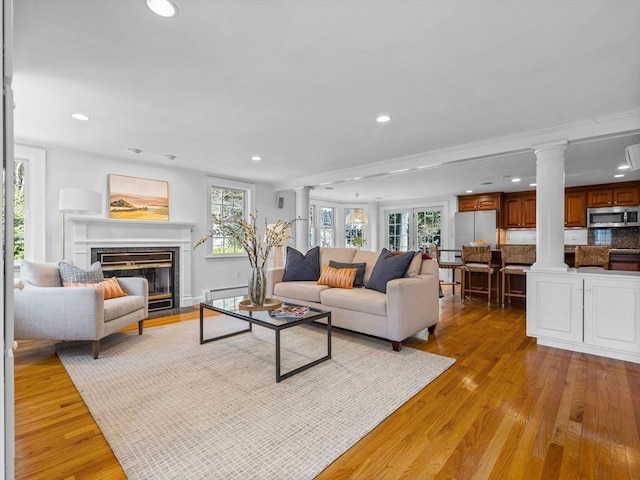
(171, 408)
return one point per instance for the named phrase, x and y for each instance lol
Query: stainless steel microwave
(613, 217)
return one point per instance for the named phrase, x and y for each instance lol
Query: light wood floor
(507, 409)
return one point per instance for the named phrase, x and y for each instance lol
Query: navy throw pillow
(359, 280)
(299, 267)
(388, 267)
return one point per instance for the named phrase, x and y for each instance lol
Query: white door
(413, 229)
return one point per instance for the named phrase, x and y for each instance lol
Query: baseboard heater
(216, 293)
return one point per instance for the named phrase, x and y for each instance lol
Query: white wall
(187, 203)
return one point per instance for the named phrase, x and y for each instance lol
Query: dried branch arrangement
(245, 232)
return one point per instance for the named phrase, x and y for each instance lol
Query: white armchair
(45, 310)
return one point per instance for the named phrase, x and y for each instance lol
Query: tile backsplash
(628, 237)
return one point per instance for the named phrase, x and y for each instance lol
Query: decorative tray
(269, 304)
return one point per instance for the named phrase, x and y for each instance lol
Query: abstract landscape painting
(134, 198)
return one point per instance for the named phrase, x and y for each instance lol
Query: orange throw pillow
(110, 287)
(337, 277)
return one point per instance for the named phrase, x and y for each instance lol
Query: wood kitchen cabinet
(520, 210)
(613, 197)
(575, 209)
(486, 201)
(623, 260)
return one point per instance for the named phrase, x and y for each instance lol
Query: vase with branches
(258, 247)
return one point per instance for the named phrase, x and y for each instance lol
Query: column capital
(556, 145)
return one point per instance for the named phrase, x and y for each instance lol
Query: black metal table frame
(248, 317)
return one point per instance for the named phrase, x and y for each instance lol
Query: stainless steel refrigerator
(472, 226)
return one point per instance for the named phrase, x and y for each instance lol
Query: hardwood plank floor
(508, 409)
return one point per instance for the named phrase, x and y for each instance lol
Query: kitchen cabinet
(589, 312)
(575, 209)
(624, 260)
(554, 306)
(487, 201)
(612, 314)
(520, 210)
(612, 197)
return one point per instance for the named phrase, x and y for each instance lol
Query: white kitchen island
(583, 310)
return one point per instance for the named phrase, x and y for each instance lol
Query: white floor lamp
(80, 201)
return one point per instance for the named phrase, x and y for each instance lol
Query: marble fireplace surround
(85, 233)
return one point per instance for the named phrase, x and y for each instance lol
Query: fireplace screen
(157, 266)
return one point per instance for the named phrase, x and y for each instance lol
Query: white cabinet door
(612, 313)
(554, 306)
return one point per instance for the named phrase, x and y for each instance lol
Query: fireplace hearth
(159, 265)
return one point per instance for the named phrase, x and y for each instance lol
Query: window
(19, 209)
(30, 205)
(312, 225)
(353, 232)
(326, 227)
(398, 231)
(415, 229)
(429, 229)
(228, 199)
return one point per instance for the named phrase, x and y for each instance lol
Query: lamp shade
(356, 217)
(78, 200)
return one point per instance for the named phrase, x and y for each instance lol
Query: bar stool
(477, 259)
(516, 260)
(592, 256)
(448, 265)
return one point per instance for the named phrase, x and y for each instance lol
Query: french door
(414, 229)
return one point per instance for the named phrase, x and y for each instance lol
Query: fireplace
(159, 265)
(89, 237)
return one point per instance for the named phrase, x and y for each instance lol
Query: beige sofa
(45, 310)
(410, 304)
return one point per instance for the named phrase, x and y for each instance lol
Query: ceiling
(470, 87)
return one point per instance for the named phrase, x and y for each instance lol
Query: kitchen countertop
(617, 251)
(625, 251)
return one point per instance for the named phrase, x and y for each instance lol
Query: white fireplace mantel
(92, 232)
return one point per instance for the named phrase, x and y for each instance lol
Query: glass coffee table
(231, 306)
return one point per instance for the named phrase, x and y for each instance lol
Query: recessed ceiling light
(134, 150)
(620, 175)
(533, 184)
(383, 118)
(169, 157)
(402, 170)
(469, 191)
(515, 179)
(80, 116)
(328, 188)
(486, 183)
(164, 8)
(256, 158)
(624, 167)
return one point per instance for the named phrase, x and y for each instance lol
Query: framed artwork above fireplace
(134, 198)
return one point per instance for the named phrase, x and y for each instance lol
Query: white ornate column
(550, 206)
(302, 212)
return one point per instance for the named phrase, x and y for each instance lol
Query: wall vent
(632, 154)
